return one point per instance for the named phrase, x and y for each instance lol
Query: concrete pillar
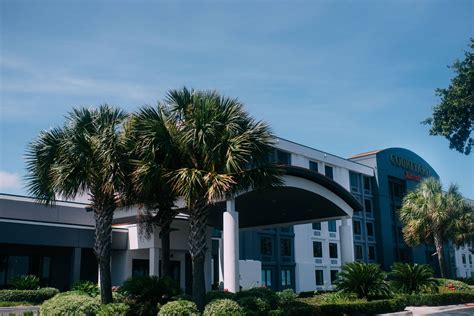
(230, 236)
(76, 265)
(221, 261)
(347, 241)
(154, 261)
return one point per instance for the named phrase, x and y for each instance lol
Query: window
(17, 265)
(140, 267)
(319, 277)
(463, 259)
(334, 276)
(285, 247)
(354, 180)
(367, 186)
(332, 250)
(267, 277)
(266, 246)
(370, 229)
(356, 227)
(285, 277)
(313, 165)
(371, 253)
(317, 226)
(317, 249)
(332, 226)
(280, 157)
(328, 172)
(359, 254)
(368, 206)
(470, 259)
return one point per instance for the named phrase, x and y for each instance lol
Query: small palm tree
(412, 278)
(432, 216)
(366, 280)
(85, 156)
(224, 151)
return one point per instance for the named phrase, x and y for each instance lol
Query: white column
(230, 235)
(347, 241)
(154, 261)
(221, 262)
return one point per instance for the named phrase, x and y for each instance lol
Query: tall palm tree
(223, 151)
(152, 154)
(84, 156)
(432, 216)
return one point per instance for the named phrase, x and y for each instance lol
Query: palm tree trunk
(439, 250)
(165, 247)
(197, 249)
(102, 249)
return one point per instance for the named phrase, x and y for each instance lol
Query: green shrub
(222, 307)
(26, 282)
(467, 280)
(70, 303)
(448, 285)
(337, 298)
(286, 297)
(306, 294)
(88, 287)
(32, 296)
(183, 297)
(412, 278)
(360, 307)
(9, 304)
(254, 305)
(219, 295)
(179, 308)
(267, 295)
(366, 280)
(439, 299)
(113, 309)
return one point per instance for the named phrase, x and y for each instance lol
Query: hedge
(32, 296)
(70, 303)
(370, 307)
(222, 307)
(439, 299)
(179, 308)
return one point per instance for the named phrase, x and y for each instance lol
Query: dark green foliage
(144, 293)
(360, 308)
(286, 297)
(254, 305)
(412, 278)
(88, 287)
(70, 303)
(267, 295)
(32, 296)
(113, 309)
(307, 294)
(26, 282)
(9, 304)
(452, 285)
(218, 295)
(469, 281)
(453, 117)
(439, 299)
(179, 308)
(366, 280)
(222, 307)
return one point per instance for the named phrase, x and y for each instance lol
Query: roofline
(24, 198)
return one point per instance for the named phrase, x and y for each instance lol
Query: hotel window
(332, 250)
(370, 229)
(317, 226)
(359, 254)
(140, 267)
(371, 253)
(285, 277)
(354, 180)
(317, 249)
(285, 247)
(319, 277)
(368, 206)
(313, 165)
(357, 229)
(267, 277)
(266, 246)
(463, 259)
(367, 186)
(332, 226)
(334, 275)
(328, 171)
(470, 259)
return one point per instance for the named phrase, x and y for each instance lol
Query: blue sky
(341, 76)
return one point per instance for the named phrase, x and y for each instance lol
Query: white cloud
(9, 180)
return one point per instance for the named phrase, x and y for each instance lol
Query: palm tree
(412, 278)
(224, 151)
(152, 154)
(84, 156)
(432, 216)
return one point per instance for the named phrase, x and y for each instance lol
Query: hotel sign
(410, 166)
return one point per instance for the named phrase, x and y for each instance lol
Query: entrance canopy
(306, 196)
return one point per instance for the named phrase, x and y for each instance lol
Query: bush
(254, 305)
(467, 280)
(88, 287)
(306, 294)
(26, 282)
(439, 299)
(267, 295)
(286, 297)
(179, 308)
(366, 280)
(412, 278)
(70, 303)
(113, 309)
(361, 307)
(219, 295)
(32, 296)
(222, 307)
(9, 304)
(448, 285)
